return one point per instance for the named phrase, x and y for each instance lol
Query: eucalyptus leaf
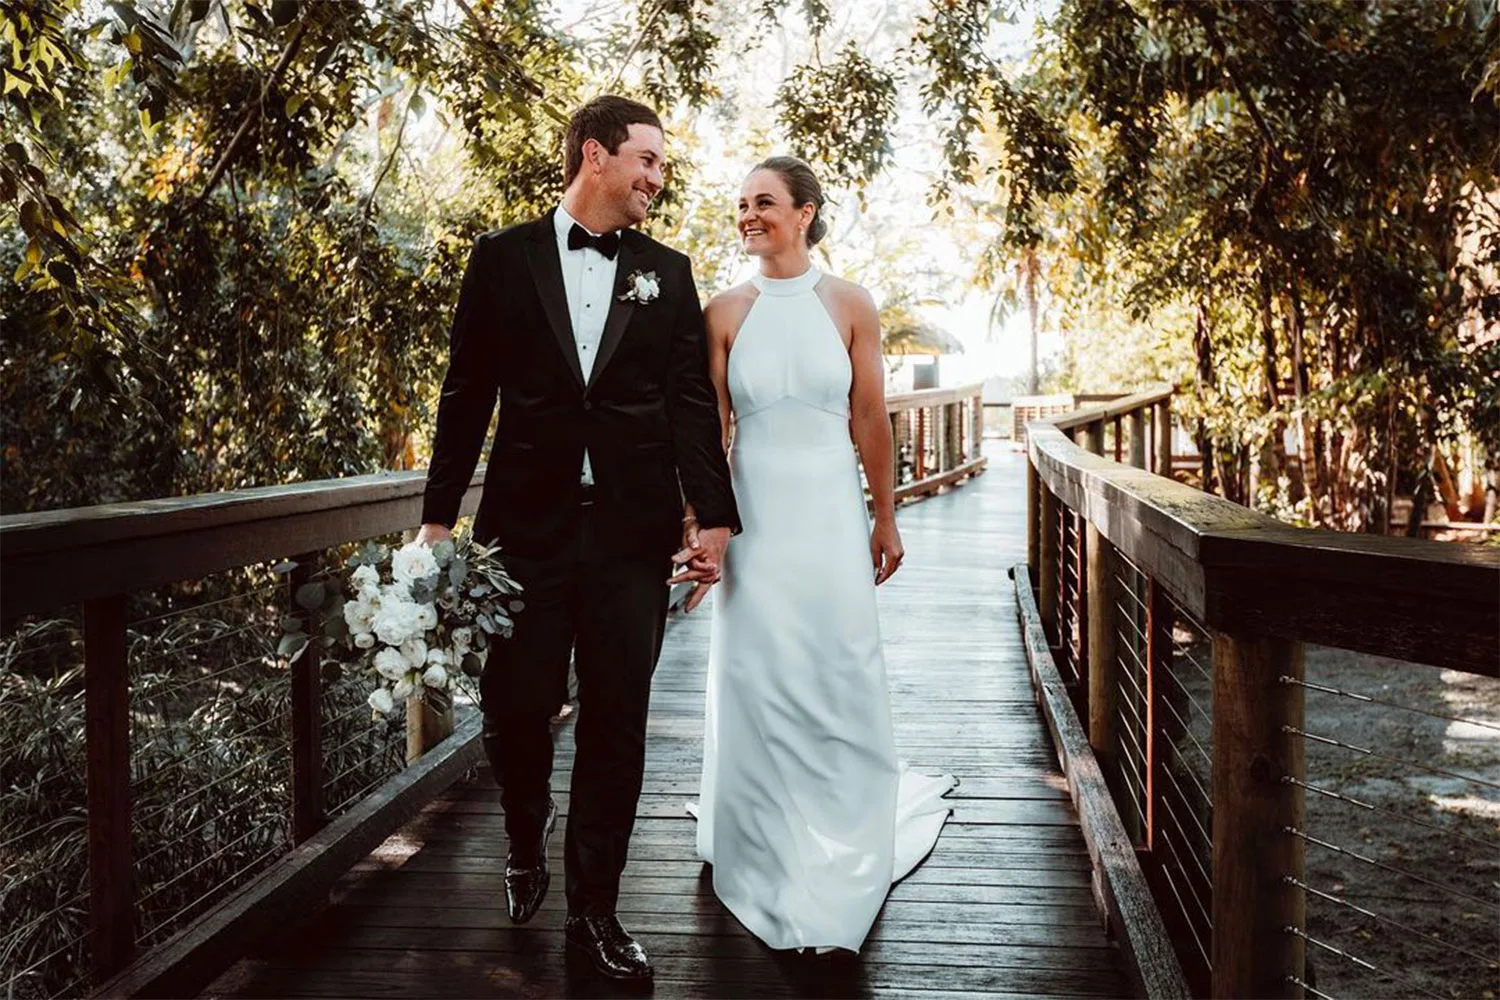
(310, 596)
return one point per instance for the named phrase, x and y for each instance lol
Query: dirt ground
(1433, 920)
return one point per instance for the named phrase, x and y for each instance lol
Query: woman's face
(769, 224)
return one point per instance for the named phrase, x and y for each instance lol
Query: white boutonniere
(641, 287)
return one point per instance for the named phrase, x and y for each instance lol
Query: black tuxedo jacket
(647, 414)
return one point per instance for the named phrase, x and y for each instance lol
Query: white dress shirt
(588, 279)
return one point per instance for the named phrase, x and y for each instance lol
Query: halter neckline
(804, 282)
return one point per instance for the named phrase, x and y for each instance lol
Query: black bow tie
(606, 243)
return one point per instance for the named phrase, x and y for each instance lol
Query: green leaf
(294, 104)
(310, 596)
(16, 153)
(31, 217)
(333, 671)
(62, 273)
(291, 645)
(471, 665)
(283, 12)
(291, 623)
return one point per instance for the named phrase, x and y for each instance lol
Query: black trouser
(609, 610)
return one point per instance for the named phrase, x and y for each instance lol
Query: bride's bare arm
(869, 422)
(871, 428)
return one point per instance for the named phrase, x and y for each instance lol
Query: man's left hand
(701, 560)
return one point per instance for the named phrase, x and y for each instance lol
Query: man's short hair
(606, 120)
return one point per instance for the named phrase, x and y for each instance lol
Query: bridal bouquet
(417, 619)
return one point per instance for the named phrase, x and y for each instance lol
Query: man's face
(633, 176)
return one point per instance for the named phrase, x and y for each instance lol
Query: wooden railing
(937, 435)
(105, 560)
(1176, 623)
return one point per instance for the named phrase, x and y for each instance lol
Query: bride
(805, 813)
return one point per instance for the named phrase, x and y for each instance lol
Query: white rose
(645, 288)
(390, 664)
(413, 562)
(396, 621)
(426, 616)
(414, 651)
(402, 689)
(359, 615)
(437, 657)
(366, 576)
(364, 640)
(381, 701)
(435, 677)
(463, 638)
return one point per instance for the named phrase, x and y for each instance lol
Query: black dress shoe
(611, 949)
(526, 886)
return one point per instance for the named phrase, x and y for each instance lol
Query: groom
(592, 336)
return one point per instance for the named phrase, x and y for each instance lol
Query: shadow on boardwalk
(1001, 907)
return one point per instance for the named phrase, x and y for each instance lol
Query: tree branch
(287, 55)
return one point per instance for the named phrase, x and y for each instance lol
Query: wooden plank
(1408, 598)
(299, 881)
(36, 575)
(1127, 899)
(106, 684)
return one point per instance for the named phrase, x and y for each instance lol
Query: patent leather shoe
(526, 884)
(608, 947)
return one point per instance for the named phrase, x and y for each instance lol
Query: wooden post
(1103, 663)
(1093, 437)
(307, 720)
(1138, 438)
(425, 728)
(106, 683)
(898, 423)
(1033, 519)
(1047, 574)
(940, 437)
(1164, 438)
(1253, 854)
(1119, 442)
(1158, 660)
(919, 471)
(976, 444)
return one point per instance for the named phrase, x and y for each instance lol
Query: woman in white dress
(805, 812)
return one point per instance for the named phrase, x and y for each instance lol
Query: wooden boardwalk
(1001, 908)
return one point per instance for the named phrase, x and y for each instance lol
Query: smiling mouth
(748, 233)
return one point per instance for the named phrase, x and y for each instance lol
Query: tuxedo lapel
(546, 269)
(632, 258)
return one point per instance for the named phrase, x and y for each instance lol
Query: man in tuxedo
(592, 336)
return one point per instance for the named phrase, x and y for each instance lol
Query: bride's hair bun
(804, 187)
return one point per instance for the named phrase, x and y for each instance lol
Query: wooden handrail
(1235, 568)
(898, 401)
(1118, 407)
(123, 544)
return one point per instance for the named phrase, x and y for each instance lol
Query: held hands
(886, 550)
(700, 560)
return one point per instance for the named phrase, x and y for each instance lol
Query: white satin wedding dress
(805, 812)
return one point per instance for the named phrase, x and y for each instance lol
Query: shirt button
(587, 405)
